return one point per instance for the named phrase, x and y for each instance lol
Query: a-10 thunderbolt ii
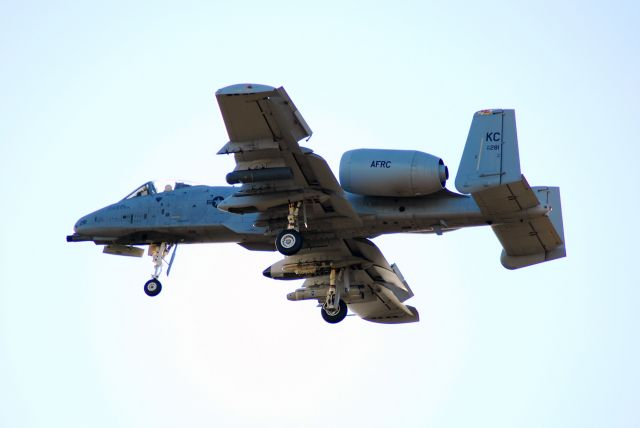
(288, 199)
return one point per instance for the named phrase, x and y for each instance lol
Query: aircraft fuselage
(190, 215)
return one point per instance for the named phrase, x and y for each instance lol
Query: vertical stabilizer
(490, 156)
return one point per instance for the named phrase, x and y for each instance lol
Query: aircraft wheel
(336, 316)
(289, 242)
(152, 287)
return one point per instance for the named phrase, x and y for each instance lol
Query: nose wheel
(158, 252)
(153, 287)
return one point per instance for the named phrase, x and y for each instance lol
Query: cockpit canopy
(157, 186)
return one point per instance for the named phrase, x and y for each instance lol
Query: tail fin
(490, 157)
(490, 171)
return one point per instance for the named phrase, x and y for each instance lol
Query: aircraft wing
(264, 128)
(371, 287)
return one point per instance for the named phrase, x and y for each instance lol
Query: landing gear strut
(334, 309)
(289, 241)
(153, 287)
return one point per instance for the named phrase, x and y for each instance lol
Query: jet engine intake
(399, 173)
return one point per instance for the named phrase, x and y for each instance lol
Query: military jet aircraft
(284, 197)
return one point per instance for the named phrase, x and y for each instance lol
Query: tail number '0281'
(493, 146)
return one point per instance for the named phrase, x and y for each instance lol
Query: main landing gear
(289, 241)
(334, 309)
(153, 287)
(335, 315)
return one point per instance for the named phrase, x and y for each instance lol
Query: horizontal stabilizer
(538, 240)
(507, 198)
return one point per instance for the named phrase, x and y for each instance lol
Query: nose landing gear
(153, 287)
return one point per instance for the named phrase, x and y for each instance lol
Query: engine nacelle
(375, 172)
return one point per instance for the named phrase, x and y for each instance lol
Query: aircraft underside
(284, 197)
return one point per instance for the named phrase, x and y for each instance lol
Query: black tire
(334, 319)
(289, 242)
(152, 287)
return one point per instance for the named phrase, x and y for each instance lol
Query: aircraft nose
(81, 225)
(80, 230)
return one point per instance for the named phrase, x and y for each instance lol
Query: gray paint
(383, 191)
(490, 156)
(401, 173)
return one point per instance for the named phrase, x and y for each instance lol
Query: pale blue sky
(97, 98)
